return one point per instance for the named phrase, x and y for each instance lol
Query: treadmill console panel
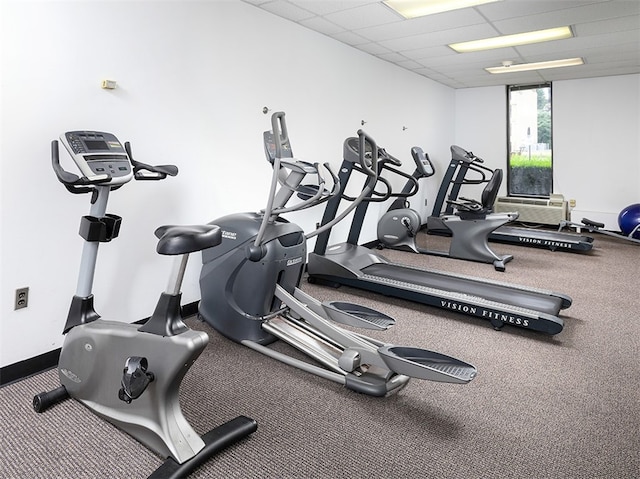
(98, 153)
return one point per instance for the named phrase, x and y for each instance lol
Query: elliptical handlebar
(290, 182)
(279, 129)
(320, 196)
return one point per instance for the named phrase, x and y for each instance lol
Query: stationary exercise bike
(129, 374)
(464, 163)
(469, 227)
(250, 288)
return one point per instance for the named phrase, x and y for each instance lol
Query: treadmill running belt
(488, 291)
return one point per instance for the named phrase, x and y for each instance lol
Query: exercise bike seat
(472, 209)
(490, 192)
(183, 239)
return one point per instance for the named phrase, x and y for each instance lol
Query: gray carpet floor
(566, 406)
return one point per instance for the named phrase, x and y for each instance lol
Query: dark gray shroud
(240, 291)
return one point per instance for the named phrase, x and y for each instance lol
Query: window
(530, 163)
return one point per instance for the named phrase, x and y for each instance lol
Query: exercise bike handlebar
(74, 183)
(86, 184)
(142, 171)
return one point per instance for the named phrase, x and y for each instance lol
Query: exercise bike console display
(97, 153)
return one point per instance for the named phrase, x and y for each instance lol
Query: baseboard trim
(43, 362)
(23, 369)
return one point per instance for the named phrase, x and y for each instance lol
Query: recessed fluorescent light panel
(420, 8)
(523, 67)
(513, 40)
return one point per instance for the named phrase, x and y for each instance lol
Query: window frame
(528, 86)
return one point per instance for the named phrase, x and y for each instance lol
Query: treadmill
(456, 175)
(357, 266)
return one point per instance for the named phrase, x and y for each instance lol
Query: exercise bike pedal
(429, 365)
(135, 379)
(356, 315)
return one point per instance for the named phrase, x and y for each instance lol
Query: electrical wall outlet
(22, 298)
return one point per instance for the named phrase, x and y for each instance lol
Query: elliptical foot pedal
(357, 316)
(429, 365)
(214, 441)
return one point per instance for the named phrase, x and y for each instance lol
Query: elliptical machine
(250, 294)
(129, 374)
(469, 227)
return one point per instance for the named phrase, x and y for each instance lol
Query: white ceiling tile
(350, 38)
(631, 22)
(373, 48)
(324, 7)
(286, 10)
(321, 25)
(521, 8)
(409, 64)
(444, 37)
(417, 26)
(392, 57)
(568, 16)
(428, 52)
(578, 44)
(365, 16)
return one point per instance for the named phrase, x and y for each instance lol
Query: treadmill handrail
(372, 173)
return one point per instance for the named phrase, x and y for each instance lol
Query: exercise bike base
(215, 440)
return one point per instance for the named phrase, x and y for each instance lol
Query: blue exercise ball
(628, 219)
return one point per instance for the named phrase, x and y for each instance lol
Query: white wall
(481, 127)
(193, 78)
(596, 145)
